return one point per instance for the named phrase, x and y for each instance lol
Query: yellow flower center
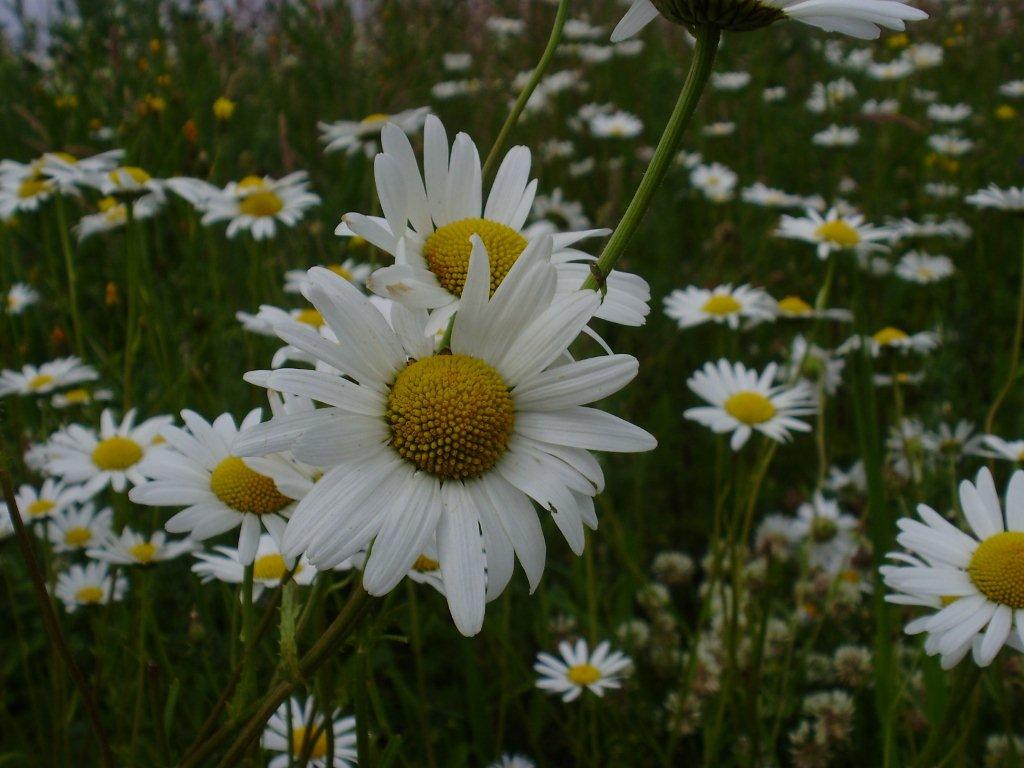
(447, 251)
(66, 157)
(245, 490)
(425, 564)
(40, 381)
(310, 317)
(450, 415)
(340, 271)
(129, 175)
(997, 568)
(260, 204)
(377, 118)
(794, 305)
(889, 335)
(40, 507)
(1005, 112)
(317, 751)
(143, 552)
(838, 232)
(33, 187)
(90, 594)
(925, 273)
(948, 599)
(269, 567)
(721, 304)
(77, 537)
(583, 674)
(749, 407)
(76, 396)
(116, 453)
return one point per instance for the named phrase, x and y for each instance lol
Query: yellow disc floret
(244, 489)
(749, 407)
(310, 317)
(889, 336)
(77, 537)
(583, 674)
(116, 453)
(90, 594)
(33, 187)
(447, 251)
(839, 233)
(40, 381)
(269, 567)
(316, 751)
(40, 507)
(721, 304)
(450, 415)
(143, 552)
(425, 564)
(794, 305)
(997, 568)
(260, 204)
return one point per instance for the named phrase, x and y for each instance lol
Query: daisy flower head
(892, 339)
(43, 380)
(949, 113)
(354, 136)
(579, 670)
(813, 363)
(974, 580)
(1009, 199)
(743, 401)
(957, 440)
(837, 136)
(131, 548)
(829, 534)
(763, 195)
(70, 173)
(856, 18)
(401, 467)
(125, 181)
(715, 181)
(298, 730)
(950, 144)
(201, 471)
(615, 125)
(89, 585)
(513, 761)
(24, 194)
(78, 528)
(80, 396)
(296, 281)
(431, 218)
(113, 214)
(923, 268)
(51, 498)
(258, 204)
(20, 296)
(793, 307)
(269, 566)
(998, 448)
(112, 457)
(835, 231)
(724, 304)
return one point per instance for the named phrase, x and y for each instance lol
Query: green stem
(50, 619)
(1011, 374)
(963, 688)
(531, 85)
(703, 60)
(69, 268)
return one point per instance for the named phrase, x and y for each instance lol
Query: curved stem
(69, 269)
(703, 60)
(531, 85)
(1011, 375)
(50, 619)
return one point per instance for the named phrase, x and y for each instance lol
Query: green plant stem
(703, 60)
(50, 619)
(1018, 336)
(531, 85)
(329, 642)
(69, 269)
(963, 688)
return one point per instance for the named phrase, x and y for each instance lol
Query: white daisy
(730, 81)
(19, 297)
(795, 308)
(295, 280)
(761, 194)
(837, 136)
(70, 173)
(269, 566)
(1012, 88)
(78, 455)
(113, 214)
(256, 204)
(950, 145)
(857, 18)
(949, 113)
(998, 448)
(977, 582)
(59, 373)
(815, 364)
(125, 180)
(24, 195)
(923, 268)
(131, 548)
(443, 207)
(615, 125)
(578, 670)
(723, 304)
(361, 135)
(715, 181)
(1010, 199)
(390, 482)
(201, 471)
(297, 730)
(957, 440)
(82, 586)
(52, 498)
(80, 396)
(78, 528)
(743, 401)
(894, 339)
(835, 231)
(888, 71)
(828, 533)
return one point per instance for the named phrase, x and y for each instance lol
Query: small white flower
(89, 585)
(837, 136)
(715, 181)
(269, 566)
(131, 548)
(835, 231)
(19, 297)
(43, 380)
(917, 267)
(79, 528)
(354, 136)
(52, 498)
(997, 447)
(296, 730)
(1010, 199)
(578, 670)
(724, 304)
(828, 533)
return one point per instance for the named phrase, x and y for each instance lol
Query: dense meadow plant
(303, 355)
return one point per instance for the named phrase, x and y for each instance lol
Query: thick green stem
(1011, 374)
(531, 85)
(703, 60)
